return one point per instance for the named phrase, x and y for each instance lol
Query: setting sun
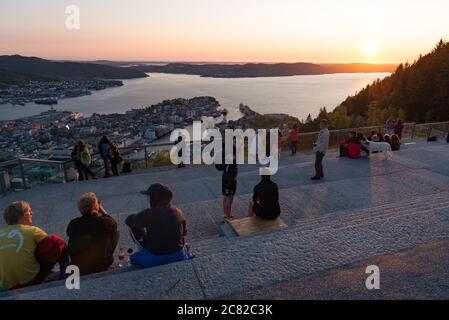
(370, 49)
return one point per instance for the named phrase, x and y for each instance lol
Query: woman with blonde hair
(27, 253)
(85, 160)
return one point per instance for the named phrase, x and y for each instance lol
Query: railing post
(413, 132)
(447, 133)
(64, 168)
(22, 173)
(338, 141)
(146, 157)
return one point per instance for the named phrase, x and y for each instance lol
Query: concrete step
(230, 265)
(339, 220)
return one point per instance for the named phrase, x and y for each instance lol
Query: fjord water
(297, 96)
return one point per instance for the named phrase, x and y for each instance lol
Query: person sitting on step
(265, 202)
(93, 237)
(27, 253)
(158, 231)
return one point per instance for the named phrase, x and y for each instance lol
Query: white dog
(383, 147)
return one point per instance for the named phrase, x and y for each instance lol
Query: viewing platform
(394, 214)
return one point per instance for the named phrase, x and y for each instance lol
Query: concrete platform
(362, 210)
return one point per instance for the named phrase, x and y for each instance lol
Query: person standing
(320, 148)
(389, 128)
(280, 142)
(104, 147)
(229, 180)
(398, 129)
(116, 159)
(294, 137)
(75, 156)
(181, 165)
(85, 160)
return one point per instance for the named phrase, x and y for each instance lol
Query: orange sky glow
(219, 30)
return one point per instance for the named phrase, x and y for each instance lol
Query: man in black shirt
(229, 181)
(265, 202)
(93, 237)
(160, 230)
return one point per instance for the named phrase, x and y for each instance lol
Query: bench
(254, 225)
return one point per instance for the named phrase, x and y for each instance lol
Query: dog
(383, 147)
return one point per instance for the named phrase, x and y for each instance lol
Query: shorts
(229, 187)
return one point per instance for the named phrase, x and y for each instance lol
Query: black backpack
(126, 167)
(220, 167)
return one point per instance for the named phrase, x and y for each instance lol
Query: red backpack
(354, 150)
(50, 249)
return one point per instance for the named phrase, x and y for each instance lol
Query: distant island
(31, 79)
(254, 70)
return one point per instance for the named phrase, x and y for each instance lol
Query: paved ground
(363, 209)
(418, 273)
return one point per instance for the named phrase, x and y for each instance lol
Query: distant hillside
(8, 78)
(252, 70)
(67, 70)
(419, 91)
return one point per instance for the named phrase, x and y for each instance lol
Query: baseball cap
(158, 191)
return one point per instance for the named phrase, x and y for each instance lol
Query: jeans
(319, 165)
(87, 171)
(106, 166)
(294, 147)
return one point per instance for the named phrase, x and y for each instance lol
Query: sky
(225, 30)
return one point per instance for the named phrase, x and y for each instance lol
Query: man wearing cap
(320, 148)
(265, 202)
(159, 230)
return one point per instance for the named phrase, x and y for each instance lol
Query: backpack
(104, 149)
(50, 249)
(126, 167)
(354, 150)
(85, 158)
(220, 167)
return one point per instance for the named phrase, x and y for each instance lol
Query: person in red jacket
(294, 138)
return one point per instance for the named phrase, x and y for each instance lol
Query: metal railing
(24, 173)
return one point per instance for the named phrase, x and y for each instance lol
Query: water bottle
(128, 260)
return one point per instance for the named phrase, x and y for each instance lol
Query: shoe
(315, 178)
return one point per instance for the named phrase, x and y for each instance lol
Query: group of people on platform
(28, 254)
(109, 153)
(265, 200)
(356, 144)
